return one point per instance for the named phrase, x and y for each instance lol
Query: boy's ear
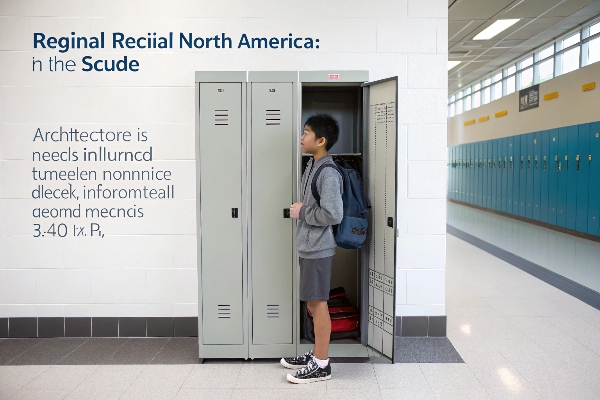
(322, 141)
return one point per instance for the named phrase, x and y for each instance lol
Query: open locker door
(380, 111)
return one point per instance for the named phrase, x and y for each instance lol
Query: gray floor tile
(48, 352)
(204, 394)
(178, 351)
(94, 351)
(213, 376)
(137, 351)
(40, 394)
(61, 377)
(12, 348)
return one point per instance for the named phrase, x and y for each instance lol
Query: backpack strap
(313, 184)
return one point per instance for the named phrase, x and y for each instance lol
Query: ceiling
(541, 22)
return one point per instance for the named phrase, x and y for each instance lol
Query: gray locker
(249, 167)
(221, 259)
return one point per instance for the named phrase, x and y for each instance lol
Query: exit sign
(333, 77)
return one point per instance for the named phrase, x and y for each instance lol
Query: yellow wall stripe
(588, 86)
(501, 114)
(470, 122)
(550, 96)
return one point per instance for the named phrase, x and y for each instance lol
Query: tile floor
(519, 337)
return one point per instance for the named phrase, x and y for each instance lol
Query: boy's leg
(322, 323)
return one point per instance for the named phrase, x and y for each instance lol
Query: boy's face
(309, 142)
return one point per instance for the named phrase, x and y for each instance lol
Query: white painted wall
(147, 267)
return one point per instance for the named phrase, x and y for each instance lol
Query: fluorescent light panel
(495, 28)
(452, 64)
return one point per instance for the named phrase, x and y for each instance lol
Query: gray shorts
(315, 278)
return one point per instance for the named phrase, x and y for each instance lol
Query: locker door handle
(536, 162)
(566, 162)
(544, 163)
(528, 162)
(504, 162)
(577, 159)
(522, 158)
(234, 213)
(286, 213)
(511, 162)
(390, 222)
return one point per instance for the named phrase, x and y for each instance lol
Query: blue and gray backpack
(351, 233)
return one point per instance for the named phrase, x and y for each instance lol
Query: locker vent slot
(272, 310)
(224, 310)
(221, 117)
(273, 117)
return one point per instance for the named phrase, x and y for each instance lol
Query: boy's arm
(331, 210)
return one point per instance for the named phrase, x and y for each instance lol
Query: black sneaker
(297, 362)
(311, 373)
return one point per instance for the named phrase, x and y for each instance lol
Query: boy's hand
(295, 210)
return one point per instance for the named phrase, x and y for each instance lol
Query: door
(271, 229)
(537, 175)
(583, 177)
(593, 225)
(220, 142)
(572, 164)
(381, 191)
(544, 165)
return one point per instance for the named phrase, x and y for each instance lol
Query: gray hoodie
(314, 235)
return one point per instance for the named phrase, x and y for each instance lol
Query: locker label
(271, 90)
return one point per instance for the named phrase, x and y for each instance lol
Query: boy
(316, 244)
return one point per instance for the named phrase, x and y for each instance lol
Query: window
(526, 62)
(526, 78)
(460, 95)
(547, 52)
(468, 91)
(476, 99)
(459, 107)
(570, 60)
(468, 103)
(486, 95)
(476, 87)
(571, 40)
(452, 110)
(497, 77)
(511, 70)
(510, 85)
(594, 28)
(487, 82)
(593, 50)
(498, 90)
(546, 69)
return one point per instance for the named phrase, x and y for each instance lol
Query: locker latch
(590, 157)
(528, 162)
(390, 222)
(544, 163)
(522, 161)
(511, 162)
(286, 213)
(505, 162)
(536, 162)
(577, 159)
(566, 162)
(234, 213)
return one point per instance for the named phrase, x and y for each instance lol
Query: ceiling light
(495, 29)
(452, 64)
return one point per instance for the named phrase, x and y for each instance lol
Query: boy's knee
(318, 306)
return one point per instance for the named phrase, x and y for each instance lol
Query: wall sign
(529, 98)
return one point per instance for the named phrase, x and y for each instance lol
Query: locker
(481, 172)
(523, 176)
(498, 174)
(489, 158)
(553, 168)
(470, 173)
(529, 172)
(509, 174)
(516, 165)
(537, 180)
(571, 169)
(504, 173)
(221, 259)
(583, 177)
(544, 182)
(561, 198)
(494, 174)
(473, 174)
(271, 242)
(593, 227)
(462, 172)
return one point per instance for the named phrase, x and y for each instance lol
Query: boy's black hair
(324, 125)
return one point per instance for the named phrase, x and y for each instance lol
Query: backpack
(351, 233)
(343, 315)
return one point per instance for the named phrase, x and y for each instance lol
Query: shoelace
(310, 367)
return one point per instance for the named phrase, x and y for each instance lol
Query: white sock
(321, 363)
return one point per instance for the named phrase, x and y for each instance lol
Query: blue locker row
(552, 176)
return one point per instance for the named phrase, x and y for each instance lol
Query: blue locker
(516, 174)
(462, 172)
(451, 171)
(594, 205)
(529, 173)
(561, 198)
(553, 166)
(523, 176)
(571, 172)
(537, 182)
(499, 175)
(494, 174)
(503, 173)
(488, 174)
(469, 178)
(583, 177)
(480, 174)
(472, 173)
(509, 174)
(544, 165)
